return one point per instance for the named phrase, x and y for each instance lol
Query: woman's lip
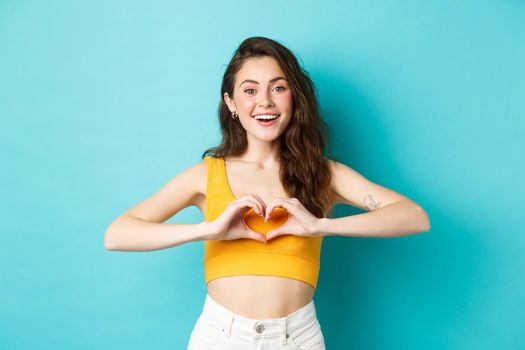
(266, 123)
(255, 115)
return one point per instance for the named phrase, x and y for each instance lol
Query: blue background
(102, 103)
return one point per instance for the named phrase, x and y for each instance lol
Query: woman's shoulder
(196, 173)
(333, 164)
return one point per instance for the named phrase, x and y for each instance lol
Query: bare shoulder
(185, 189)
(194, 177)
(354, 189)
(199, 171)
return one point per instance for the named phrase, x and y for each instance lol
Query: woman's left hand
(300, 221)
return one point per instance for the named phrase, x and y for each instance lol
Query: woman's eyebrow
(256, 82)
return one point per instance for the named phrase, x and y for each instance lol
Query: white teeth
(266, 116)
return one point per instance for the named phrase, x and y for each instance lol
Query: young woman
(267, 194)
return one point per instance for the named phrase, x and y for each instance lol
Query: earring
(234, 115)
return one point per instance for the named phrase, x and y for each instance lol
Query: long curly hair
(304, 171)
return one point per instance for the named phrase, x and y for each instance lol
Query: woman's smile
(266, 119)
(266, 123)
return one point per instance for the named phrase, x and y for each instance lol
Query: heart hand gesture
(300, 221)
(230, 224)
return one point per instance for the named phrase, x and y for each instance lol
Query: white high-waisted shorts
(219, 328)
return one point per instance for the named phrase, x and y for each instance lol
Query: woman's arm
(128, 233)
(142, 227)
(390, 213)
(395, 219)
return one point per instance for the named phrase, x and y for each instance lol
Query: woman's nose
(265, 100)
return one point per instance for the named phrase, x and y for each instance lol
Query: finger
(278, 203)
(256, 235)
(263, 205)
(249, 201)
(274, 233)
(258, 206)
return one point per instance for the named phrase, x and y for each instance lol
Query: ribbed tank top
(287, 256)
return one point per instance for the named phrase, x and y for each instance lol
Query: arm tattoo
(371, 203)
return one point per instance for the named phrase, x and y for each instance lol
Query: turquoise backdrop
(102, 102)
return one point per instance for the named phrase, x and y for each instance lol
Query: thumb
(256, 235)
(273, 233)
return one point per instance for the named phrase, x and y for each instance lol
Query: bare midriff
(260, 297)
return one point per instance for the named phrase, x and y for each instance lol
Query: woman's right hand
(230, 224)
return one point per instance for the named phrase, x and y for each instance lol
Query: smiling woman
(267, 193)
(264, 97)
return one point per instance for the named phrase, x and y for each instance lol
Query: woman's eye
(251, 91)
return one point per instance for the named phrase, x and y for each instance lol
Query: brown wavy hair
(304, 171)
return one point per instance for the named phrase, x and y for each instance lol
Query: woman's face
(261, 88)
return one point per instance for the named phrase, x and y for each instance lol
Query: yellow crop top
(287, 256)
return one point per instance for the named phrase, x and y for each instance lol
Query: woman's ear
(228, 102)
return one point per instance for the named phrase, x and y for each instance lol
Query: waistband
(231, 322)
